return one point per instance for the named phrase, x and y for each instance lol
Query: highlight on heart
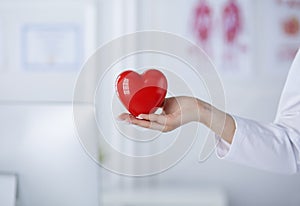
(141, 93)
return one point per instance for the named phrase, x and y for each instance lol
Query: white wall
(38, 141)
(255, 96)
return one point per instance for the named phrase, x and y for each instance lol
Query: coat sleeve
(270, 146)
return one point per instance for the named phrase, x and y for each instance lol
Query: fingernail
(140, 116)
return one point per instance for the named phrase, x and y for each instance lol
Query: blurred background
(43, 45)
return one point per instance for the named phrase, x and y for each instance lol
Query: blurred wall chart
(224, 29)
(282, 33)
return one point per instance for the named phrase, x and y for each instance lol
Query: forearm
(218, 121)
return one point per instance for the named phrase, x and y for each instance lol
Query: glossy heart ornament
(142, 93)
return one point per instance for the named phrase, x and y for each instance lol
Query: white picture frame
(51, 47)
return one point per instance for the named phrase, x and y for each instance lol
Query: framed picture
(46, 47)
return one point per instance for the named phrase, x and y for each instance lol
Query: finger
(147, 124)
(124, 116)
(157, 126)
(161, 119)
(139, 122)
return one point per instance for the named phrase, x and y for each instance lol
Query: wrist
(205, 112)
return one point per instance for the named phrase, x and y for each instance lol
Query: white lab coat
(274, 146)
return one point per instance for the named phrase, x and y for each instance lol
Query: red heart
(141, 94)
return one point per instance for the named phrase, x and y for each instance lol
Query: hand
(176, 112)
(181, 110)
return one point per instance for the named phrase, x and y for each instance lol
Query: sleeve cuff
(224, 150)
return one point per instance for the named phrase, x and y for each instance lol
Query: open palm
(176, 112)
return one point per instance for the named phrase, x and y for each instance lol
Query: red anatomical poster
(202, 24)
(224, 30)
(236, 36)
(283, 33)
(231, 21)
